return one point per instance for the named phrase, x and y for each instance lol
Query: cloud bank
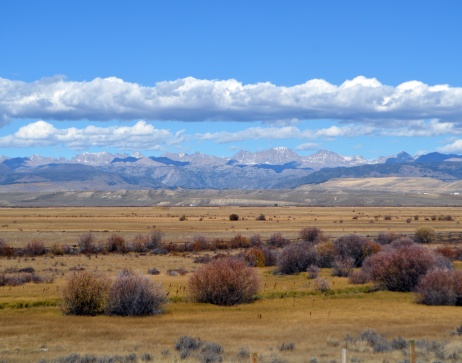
(362, 99)
(140, 136)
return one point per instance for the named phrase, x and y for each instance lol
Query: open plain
(289, 311)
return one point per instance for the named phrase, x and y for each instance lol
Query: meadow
(290, 321)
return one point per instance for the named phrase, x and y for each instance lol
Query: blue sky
(363, 78)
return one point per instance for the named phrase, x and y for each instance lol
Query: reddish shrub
(200, 243)
(437, 288)
(220, 244)
(227, 281)
(355, 247)
(139, 243)
(87, 243)
(5, 249)
(35, 248)
(296, 258)
(239, 241)
(311, 234)
(385, 238)
(277, 240)
(343, 266)
(358, 277)
(400, 269)
(116, 243)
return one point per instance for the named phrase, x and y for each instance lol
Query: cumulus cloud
(141, 136)
(190, 99)
(424, 128)
(455, 147)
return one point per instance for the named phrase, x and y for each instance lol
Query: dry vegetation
(290, 321)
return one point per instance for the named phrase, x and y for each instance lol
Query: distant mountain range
(278, 168)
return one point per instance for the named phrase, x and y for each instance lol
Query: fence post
(344, 356)
(412, 351)
(253, 358)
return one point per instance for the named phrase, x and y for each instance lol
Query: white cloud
(277, 133)
(455, 147)
(141, 136)
(361, 99)
(308, 146)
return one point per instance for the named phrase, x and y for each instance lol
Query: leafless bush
(133, 294)
(440, 287)
(296, 258)
(313, 271)
(200, 243)
(155, 240)
(85, 294)
(322, 284)
(312, 234)
(271, 255)
(400, 269)
(5, 249)
(239, 241)
(87, 243)
(343, 266)
(226, 281)
(140, 243)
(326, 254)
(116, 243)
(277, 240)
(358, 277)
(255, 240)
(385, 238)
(35, 248)
(355, 247)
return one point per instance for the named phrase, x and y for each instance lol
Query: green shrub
(425, 235)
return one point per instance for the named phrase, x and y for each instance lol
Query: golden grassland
(289, 309)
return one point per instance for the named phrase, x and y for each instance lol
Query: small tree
(233, 217)
(226, 281)
(85, 294)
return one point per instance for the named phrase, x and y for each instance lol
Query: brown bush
(87, 243)
(271, 255)
(255, 257)
(326, 254)
(116, 243)
(355, 247)
(239, 241)
(311, 234)
(5, 249)
(233, 217)
(255, 240)
(227, 281)
(277, 240)
(385, 238)
(425, 235)
(139, 243)
(35, 248)
(296, 258)
(438, 287)
(400, 269)
(133, 294)
(85, 293)
(200, 243)
(155, 240)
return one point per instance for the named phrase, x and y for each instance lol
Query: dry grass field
(289, 309)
